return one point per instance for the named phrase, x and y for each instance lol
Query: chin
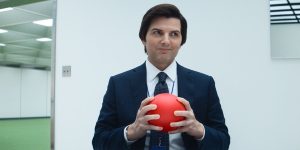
(166, 61)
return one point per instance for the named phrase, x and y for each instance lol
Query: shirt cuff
(203, 133)
(125, 136)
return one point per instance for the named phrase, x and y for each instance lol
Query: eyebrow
(162, 30)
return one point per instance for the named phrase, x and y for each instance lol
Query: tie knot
(162, 77)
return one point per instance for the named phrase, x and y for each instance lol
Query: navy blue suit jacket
(126, 91)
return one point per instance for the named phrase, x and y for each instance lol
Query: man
(123, 120)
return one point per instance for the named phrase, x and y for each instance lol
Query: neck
(161, 65)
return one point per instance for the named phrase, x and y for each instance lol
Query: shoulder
(196, 75)
(139, 70)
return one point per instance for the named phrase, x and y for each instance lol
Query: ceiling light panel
(45, 22)
(44, 39)
(6, 9)
(3, 31)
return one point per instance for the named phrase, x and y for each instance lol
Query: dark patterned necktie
(161, 86)
(160, 140)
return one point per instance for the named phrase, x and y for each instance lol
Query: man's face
(163, 41)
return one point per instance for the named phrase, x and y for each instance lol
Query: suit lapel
(185, 87)
(138, 83)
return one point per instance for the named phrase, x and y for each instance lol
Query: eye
(174, 34)
(156, 32)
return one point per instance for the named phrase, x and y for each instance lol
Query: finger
(147, 108)
(181, 113)
(179, 124)
(186, 114)
(182, 124)
(185, 103)
(153, 127)
(146, 101)
(151, 117)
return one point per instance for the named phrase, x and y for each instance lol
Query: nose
(165, 40)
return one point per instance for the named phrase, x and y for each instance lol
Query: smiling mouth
(164, 49)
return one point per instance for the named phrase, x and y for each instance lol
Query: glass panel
(25, 75)
(284, 30)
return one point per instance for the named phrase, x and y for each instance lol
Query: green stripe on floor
(25, 134)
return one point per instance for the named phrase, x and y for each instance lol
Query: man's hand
(190, 125)
(140, 126)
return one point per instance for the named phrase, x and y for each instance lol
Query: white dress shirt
(175, 140)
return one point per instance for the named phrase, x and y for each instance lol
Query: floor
(25, 134)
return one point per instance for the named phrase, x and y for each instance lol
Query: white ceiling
(21, 47)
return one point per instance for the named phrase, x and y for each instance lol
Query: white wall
(10, 92)
(285, 40)
(24, 93)
(34, 85)
(226, 39)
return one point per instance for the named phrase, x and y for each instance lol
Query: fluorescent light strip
(46, 22)
(279, 7)
(1, 44)
(284, 17)
(278, 2)
(296, 6)
(44, 39)
(3, 31)
(6, 9)
(286, 21)
(282, 13)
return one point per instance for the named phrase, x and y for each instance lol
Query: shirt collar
(152, 71)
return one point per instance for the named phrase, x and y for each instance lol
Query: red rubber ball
(166, 105)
